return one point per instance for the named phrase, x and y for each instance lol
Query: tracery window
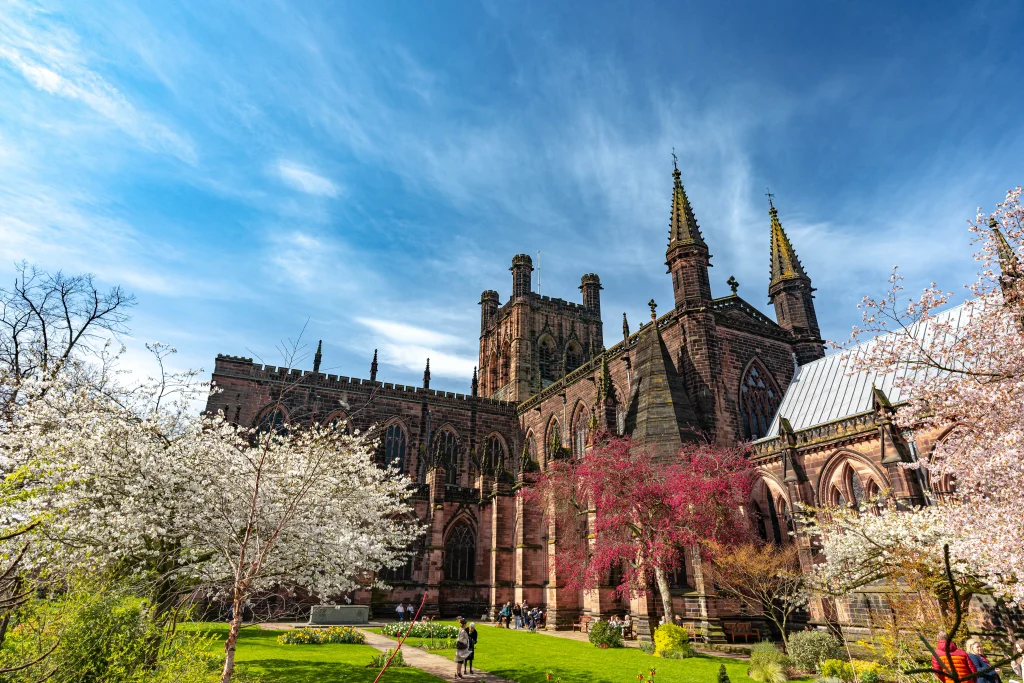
(494, 455)
(460, 553)
(394, 445)
(272, 421)
(759, 399)
(573, 357)
(554, 444)
(580, 431)
(549, 361)
(446, 453)
(856, 489)
(402, 573)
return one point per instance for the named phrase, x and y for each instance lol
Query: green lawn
(275, 663)
(527, 658)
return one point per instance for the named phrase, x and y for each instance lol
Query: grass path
(528, 657)
(274, 663)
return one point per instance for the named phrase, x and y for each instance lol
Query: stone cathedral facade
(549, 374)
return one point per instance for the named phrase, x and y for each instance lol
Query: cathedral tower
(791, 292)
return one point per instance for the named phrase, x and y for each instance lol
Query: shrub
(421, 629)
(810, 648)
(768, 664)
(647, 647)
(837, 668)
(723, 676)
(319, 636)
(380, 660)
(603, 634)
(672, 642)
(869, 676)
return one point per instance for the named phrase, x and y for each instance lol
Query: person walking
(400, 610)
(462, 648)
(1017, 665)
(472, 646)
(974, 651)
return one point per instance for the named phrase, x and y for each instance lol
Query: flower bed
(420, 630)
(320, 636)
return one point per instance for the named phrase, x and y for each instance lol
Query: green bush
(380, 660)
(421, 629)
(319, 636)
(672, 642)
(810, 648)
(104, 635)
(603, 634)
(723, 675)
(647, 647)
(869, 676)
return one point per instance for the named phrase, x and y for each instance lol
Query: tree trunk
(666, 595)
(232, 642)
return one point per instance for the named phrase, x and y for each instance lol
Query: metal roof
(828, 389)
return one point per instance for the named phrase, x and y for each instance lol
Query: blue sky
(371, 167)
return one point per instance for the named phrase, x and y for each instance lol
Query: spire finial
(426, 376)
(476, 383)
(373, 367)
(675, 160)
(318, 356)
(733, 284)
(770, 196)
(654, 309)
(625, 327)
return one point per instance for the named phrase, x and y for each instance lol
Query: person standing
(472, 646)
(409, 611)
(517, 613)
(400, 610)
(952, 659)
(973, 649)
(462, 648)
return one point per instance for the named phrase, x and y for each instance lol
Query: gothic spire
(373, 367)
(476, 383)
(1008, 260)
(318, 356)
(625, 327)
(426, 376)
(606, 390)
(785, 264)
(683, 228)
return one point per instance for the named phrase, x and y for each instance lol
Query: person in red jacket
(953, 660)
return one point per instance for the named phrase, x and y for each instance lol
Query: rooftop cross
(654, 308)
(733, 283)
(770, 196)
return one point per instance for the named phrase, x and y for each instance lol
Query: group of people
(403, 610)
(966, 663)
(625, 624)
(521, 616)
(465, 648)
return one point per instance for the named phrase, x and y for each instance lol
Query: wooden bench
(741, 629)
(582, 625)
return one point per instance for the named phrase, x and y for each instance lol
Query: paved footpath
(436, 665)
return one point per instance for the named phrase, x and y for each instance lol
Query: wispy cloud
(408, 347)
(50, 61)
(305, 180)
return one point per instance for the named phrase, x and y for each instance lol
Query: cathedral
(549, 378)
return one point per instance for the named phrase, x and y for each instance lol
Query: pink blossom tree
(963, 377)
(618, 508)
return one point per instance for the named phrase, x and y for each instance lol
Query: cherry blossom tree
(963, 376)
(618, 507)
(130, 479)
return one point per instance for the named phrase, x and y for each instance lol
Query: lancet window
(759, 399)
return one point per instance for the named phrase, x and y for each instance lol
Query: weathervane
(769, 195)
(675, 159)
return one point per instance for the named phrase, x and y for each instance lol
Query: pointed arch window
(857, 496)
(272, 421)
(446, 453)
(394, 447)
(494, 455)
(460, 553)
(549, 361)
(759, 520)
(573, 357)
(580, 431)
(554, 441)
(759, 399)
(340, 422)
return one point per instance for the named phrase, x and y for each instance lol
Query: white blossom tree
(129, 478)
